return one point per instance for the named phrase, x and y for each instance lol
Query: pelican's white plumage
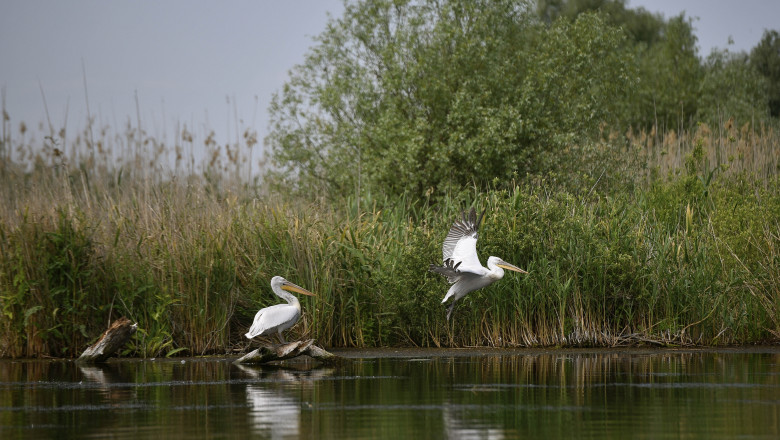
(461, 263)
(279, 317)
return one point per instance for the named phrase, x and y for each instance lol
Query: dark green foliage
(422, 98)
(52, 299)
(427, 97)
(670, 74)
(731, 88)
(765, 58)
(674, 87)
(641, 26)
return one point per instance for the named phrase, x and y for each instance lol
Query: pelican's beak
(505, 265)
(296, 288)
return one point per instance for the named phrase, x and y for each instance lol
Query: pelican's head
(504, 265)
(278, 282)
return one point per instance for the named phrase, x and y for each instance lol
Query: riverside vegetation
(690, 258)
(646, 234)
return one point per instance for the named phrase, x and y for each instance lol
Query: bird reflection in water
(274, 399)
(457, 426)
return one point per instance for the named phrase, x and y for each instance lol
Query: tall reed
(732, 150)
(689, 255)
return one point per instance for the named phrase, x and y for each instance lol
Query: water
(409, 395)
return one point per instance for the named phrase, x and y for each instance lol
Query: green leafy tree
(765, 58)
(422, 97)
(730, 88)
(640, 25)
(674, 83)
(670, 73)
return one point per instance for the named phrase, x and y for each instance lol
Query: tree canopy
(765, 58)
(423, 97)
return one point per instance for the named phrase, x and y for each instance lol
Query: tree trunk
(288, 351)
(112, 340)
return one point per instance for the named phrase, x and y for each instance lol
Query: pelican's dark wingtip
(479, 219)
(469, 217)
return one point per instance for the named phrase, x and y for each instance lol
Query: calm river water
(404, 394)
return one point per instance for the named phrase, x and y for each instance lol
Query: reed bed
(730, 150)
(687, 255)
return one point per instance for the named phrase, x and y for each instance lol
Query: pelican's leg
(281, 338)
(449, 310)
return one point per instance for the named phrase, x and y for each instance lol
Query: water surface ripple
(494, 395)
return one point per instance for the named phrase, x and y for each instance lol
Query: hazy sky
(717, 20)
(198, 62)
(183, 58)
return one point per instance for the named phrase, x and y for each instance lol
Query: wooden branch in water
(288, 351)
(112, 340)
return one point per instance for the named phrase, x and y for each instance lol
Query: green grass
(686, 255)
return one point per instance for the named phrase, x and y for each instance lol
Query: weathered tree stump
(112, 340)
(288, 351)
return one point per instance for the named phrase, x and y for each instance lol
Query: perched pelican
(461, 263)
(281, 316)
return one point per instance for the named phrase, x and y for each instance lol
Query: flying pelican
(280, 316)
(461, 263)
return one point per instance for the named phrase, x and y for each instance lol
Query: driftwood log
(112, 340)
(288, 351)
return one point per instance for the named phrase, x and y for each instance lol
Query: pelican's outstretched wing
(460, 245)
(449, 269)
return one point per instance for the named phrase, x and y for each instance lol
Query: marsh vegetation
(641, 218)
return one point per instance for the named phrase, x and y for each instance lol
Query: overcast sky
(717, 20)
(199, 62)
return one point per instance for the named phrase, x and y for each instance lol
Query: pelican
(280, 316)
(461, 263)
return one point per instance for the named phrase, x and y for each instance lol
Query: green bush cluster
(424, 97)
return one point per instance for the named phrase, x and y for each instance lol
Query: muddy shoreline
(430, 353)
(358, 353)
